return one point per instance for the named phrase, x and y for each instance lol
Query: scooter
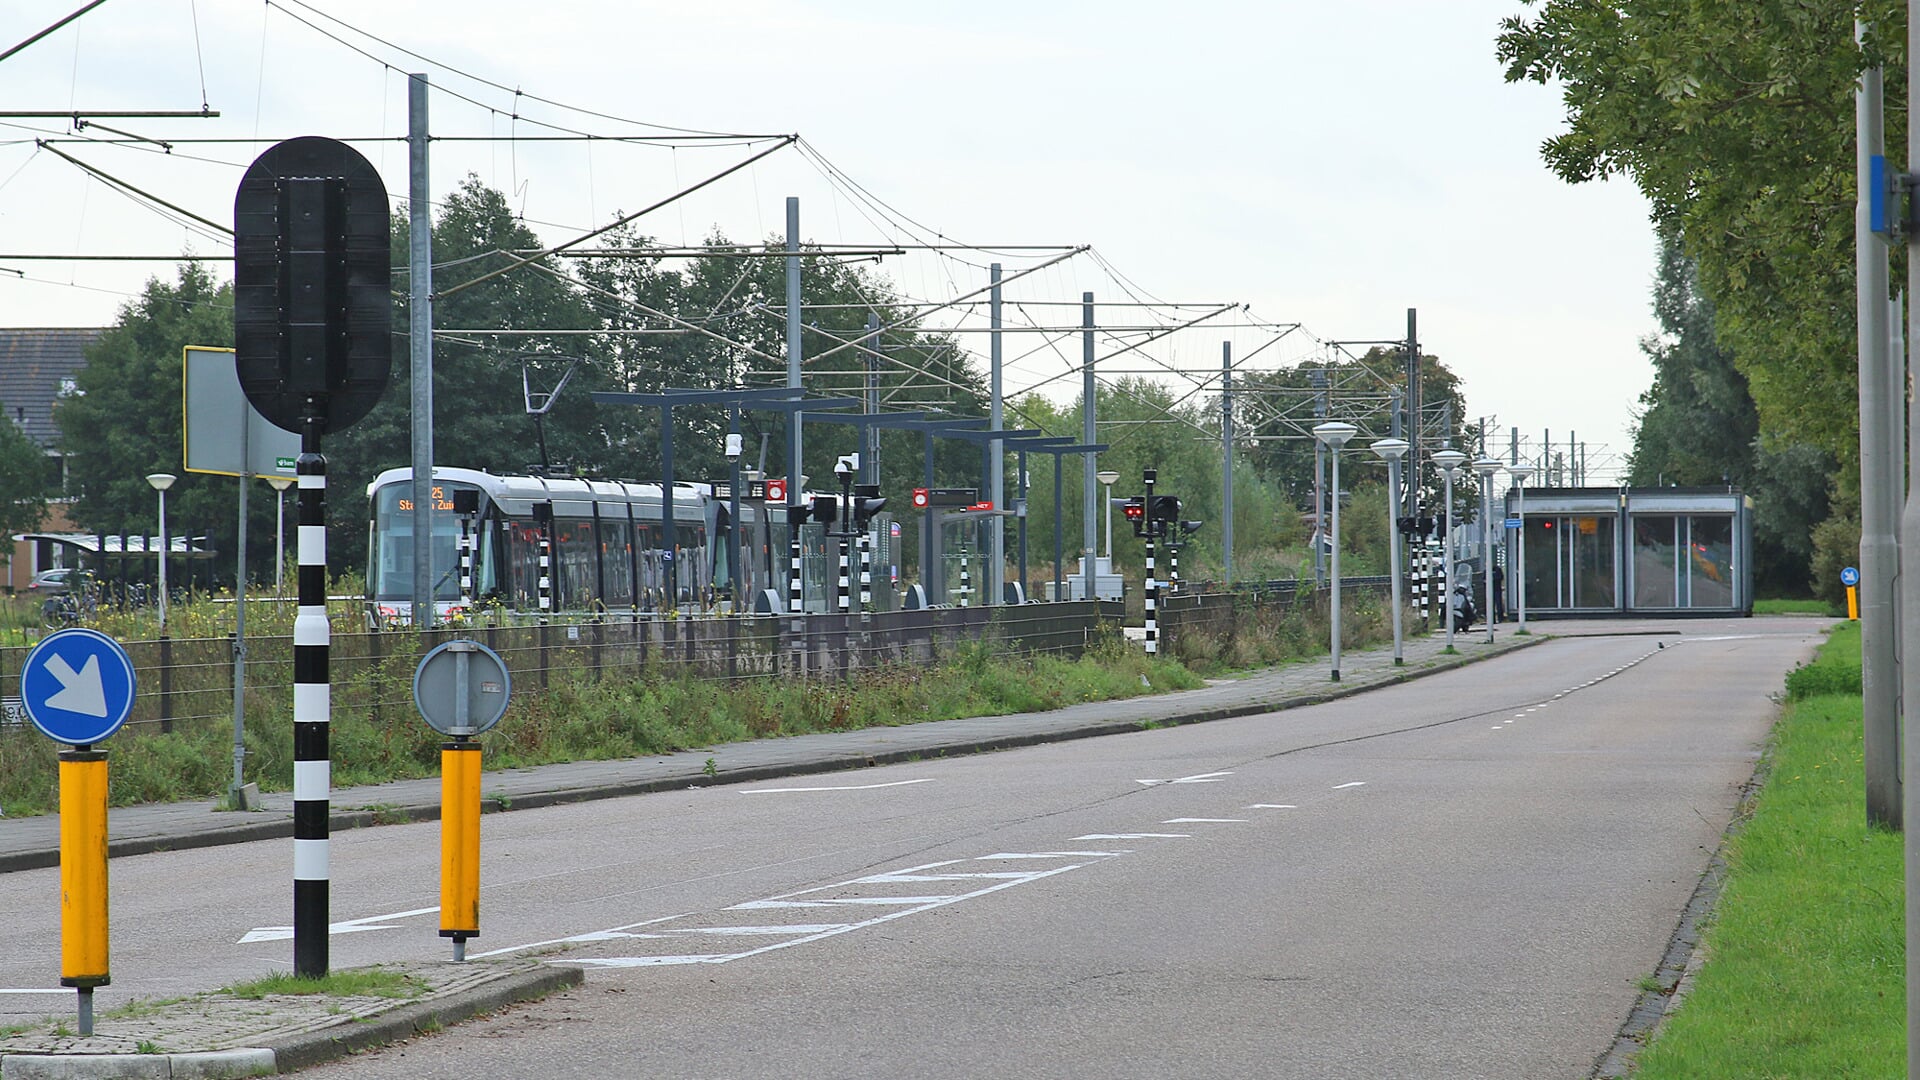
(1464, 610)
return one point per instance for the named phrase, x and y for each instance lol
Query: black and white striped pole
(1173, 566)
(543, 520)
(866, 569)
(1153, 589)
(312, 322)
(312, 713)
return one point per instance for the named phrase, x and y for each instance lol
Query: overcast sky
(1329, 165)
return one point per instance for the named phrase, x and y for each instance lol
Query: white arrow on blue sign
(77, 686)
(1850, 576)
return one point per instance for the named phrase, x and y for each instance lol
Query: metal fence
(191, 680)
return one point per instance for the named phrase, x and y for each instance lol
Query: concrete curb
(414, 1018)
(281, 826)
(307, 1049)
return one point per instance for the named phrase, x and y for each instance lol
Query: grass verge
(359, 982)
(1794, 607)
(579, 719)
(1805, 957)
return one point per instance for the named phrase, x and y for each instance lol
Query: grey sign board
(214, 411)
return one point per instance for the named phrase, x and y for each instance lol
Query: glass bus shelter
(1634, 551)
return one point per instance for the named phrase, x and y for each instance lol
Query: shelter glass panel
(1710, 561)
(1656, 582)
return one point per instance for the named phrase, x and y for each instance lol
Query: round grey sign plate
(461, 688)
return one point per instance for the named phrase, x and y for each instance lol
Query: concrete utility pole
(1089, 462)
(420, 347)
(1910, 583)
(1879, 501)
(1413, 413)
(996, 448)
(1226, 455)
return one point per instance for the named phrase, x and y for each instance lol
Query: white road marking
(1051, 855)
(876, 901)
(891, 879)
(759, 931)
(1199, 778)
(55, 990)
(1203, 821)
(353, 926)
(838, 928)
(1350, 783)
(1273, 806)
(1135, 836)
(848, 787)
(592, 935)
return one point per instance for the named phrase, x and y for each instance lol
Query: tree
(23, 481)
(1699, 426)
(1736, 122)
(124, 421)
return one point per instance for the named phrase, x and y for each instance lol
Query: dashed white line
(1204, 821)
(1199, 778)
(1350, 783)
(1136, 836)
(1273, 806)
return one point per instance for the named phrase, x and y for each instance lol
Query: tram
(609, 551)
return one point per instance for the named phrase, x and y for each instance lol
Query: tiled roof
(32, 364)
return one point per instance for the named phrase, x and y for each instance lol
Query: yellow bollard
(1853, 602)
(460, 843)
(83, 876)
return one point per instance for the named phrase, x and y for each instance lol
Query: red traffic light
(1135, 509)
(920, 498)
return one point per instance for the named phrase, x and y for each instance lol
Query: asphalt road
(1463, 876)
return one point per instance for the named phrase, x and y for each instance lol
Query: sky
(1326, 165)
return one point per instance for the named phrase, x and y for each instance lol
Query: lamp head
(1449, 460)
(1390, 449)
(733, 446)
(1485, 467)
(1335, 433)
(161, 481)
(278, 483)
(1106, 476)
(1520, 473)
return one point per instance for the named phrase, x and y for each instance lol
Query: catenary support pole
(312, 712)
(1879, 517)
(1226, 459)
(235, 794)
(1089, 462)
(794, 494)
(420, 346)
(996, 449)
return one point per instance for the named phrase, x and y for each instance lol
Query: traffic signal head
(1188, 528)
(1135, 510)
(826, 509)
(866, 502)
(1164, 508)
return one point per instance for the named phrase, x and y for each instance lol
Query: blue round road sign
(77, 686)
(1850, 577)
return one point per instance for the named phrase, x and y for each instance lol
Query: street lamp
(1449, 462)
(1393, 450)
(1486, 469)
(161, 481)
(279, 484)
(1520, 474)
(1335, 434)
(1107, 477)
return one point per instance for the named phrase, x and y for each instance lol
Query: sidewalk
(211, 1035)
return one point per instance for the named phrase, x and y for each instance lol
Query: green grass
(360, 982)
(1780, 606)
(579, 719)
(1805, 968)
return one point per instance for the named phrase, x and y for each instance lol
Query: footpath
(217, 1035)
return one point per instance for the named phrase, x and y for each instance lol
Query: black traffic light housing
(866, 503)
(1188, 528)
(1135, 511)
(826, 509)
(1164, 508)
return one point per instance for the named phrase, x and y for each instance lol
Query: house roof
(33, 362)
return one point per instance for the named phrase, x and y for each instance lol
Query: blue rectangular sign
(1513, 523)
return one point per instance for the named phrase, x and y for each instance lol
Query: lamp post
(1107, 478)
(1392, 450)
(161, 481)
(1520, 473)
(1486, 469)
(1449, 461)
(279, 484)
(1335, 434)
